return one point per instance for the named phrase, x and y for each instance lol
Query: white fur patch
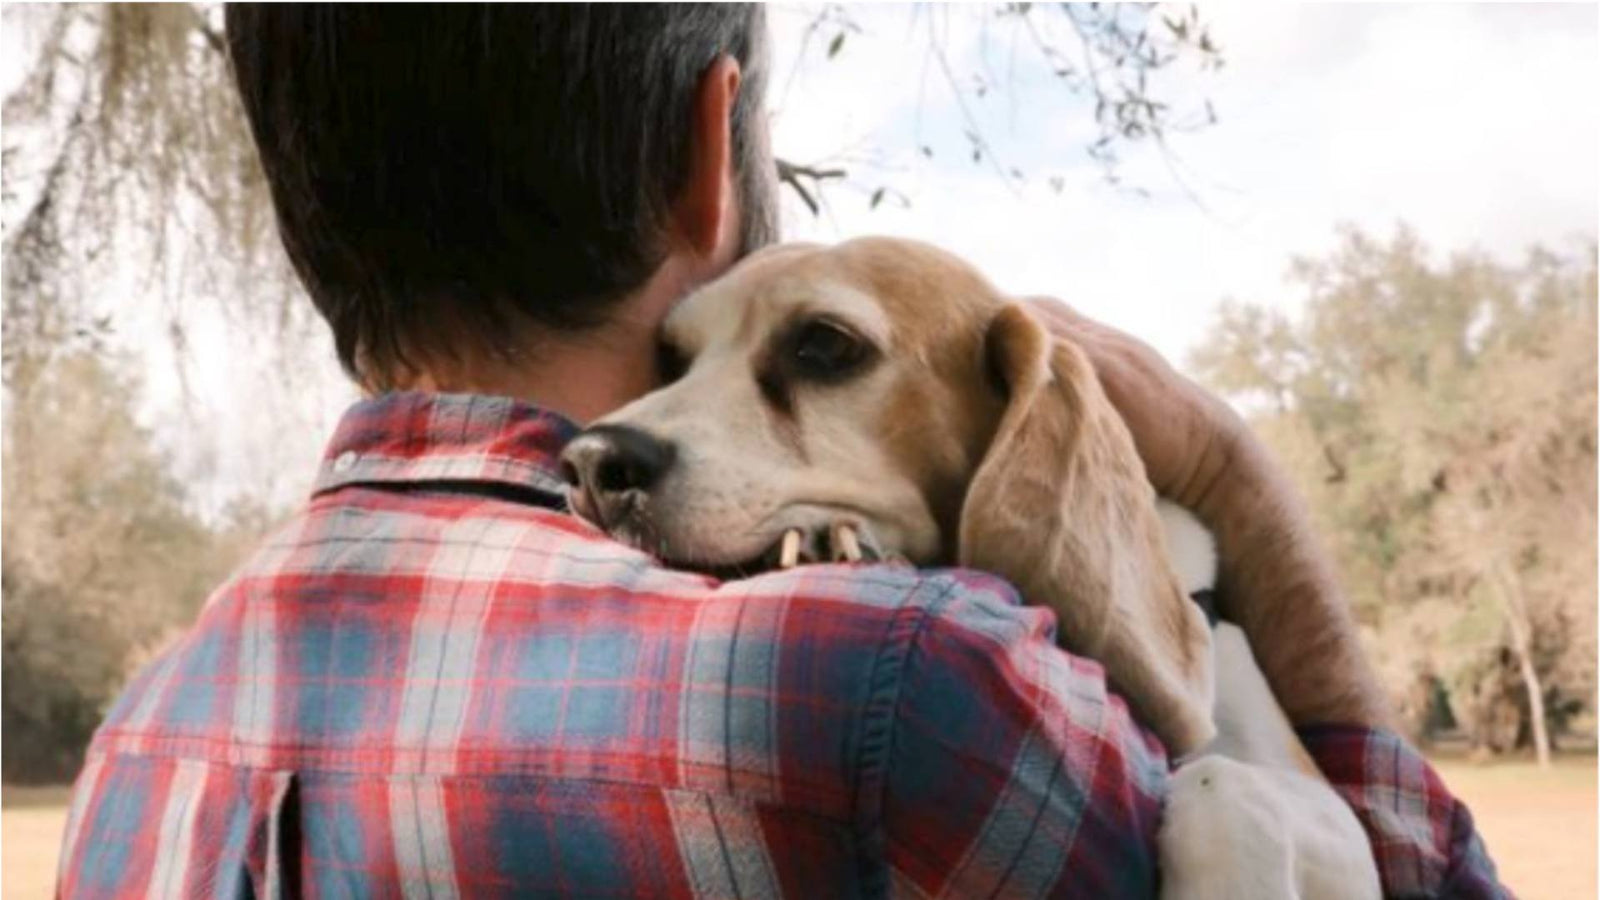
(1190, 547)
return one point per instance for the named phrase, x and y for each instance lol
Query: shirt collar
(414, 437)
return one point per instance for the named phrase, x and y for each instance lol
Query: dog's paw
(1221, 836)
(1236, 831)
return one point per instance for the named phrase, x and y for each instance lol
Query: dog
(880, 400)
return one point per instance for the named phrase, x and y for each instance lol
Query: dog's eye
(824, 350)
(670, 362)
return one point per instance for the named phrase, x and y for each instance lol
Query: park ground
(1539, 825)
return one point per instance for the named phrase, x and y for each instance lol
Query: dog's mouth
(840, 540)
(836, 542)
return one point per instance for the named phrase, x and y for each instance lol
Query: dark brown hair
(446, 175)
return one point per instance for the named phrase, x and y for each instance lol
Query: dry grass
(31, 822)
(1540, 827)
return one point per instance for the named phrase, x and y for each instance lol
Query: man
(431, 682)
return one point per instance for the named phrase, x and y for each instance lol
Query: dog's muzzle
(611, 468)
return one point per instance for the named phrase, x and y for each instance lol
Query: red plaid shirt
(432, 682)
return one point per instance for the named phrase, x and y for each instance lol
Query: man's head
(450, 179)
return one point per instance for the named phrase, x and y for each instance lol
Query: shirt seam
(112, 757)
(876, 742)
(169, 747)
(387, 469)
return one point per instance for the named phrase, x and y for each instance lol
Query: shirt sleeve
(1422, 836)
(1006, 767)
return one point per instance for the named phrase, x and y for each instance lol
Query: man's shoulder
(528, 554)
(358, 621)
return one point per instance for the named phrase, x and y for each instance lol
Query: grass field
(1540, 827)
(31, 820)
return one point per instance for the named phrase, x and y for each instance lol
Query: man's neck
(582, 375)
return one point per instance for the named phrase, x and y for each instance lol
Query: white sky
(1477, 125)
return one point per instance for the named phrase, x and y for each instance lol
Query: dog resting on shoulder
(879, 399)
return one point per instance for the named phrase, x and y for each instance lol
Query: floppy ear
(1061, 508)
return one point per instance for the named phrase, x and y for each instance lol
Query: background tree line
(103, 560)
(1440, 416)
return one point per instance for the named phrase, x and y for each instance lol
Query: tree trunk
(1517, 621)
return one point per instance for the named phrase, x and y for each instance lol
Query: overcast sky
(1477, 125)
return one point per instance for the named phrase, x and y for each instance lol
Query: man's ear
(705, 209)
(1061, 508)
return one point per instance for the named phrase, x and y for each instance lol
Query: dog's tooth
(845, 546)
(790, 552)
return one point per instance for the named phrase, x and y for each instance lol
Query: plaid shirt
(434, 683)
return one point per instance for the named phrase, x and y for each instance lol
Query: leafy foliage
(1441, 419)
(1106, 58)
(102, 561)
(122, 149)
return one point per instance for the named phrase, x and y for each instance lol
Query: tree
(123, 154)
(1442, 419)
(102, 561)
(1106, 60)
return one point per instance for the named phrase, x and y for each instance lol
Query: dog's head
(880, 398)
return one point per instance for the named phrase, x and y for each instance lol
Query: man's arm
(1279, 585)
(1005, 767)
(1422, 837)
(1275, 580)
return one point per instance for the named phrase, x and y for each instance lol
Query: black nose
(614, 459)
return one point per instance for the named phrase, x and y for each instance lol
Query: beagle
(879, 399)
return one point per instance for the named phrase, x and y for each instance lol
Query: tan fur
(1062, 508)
